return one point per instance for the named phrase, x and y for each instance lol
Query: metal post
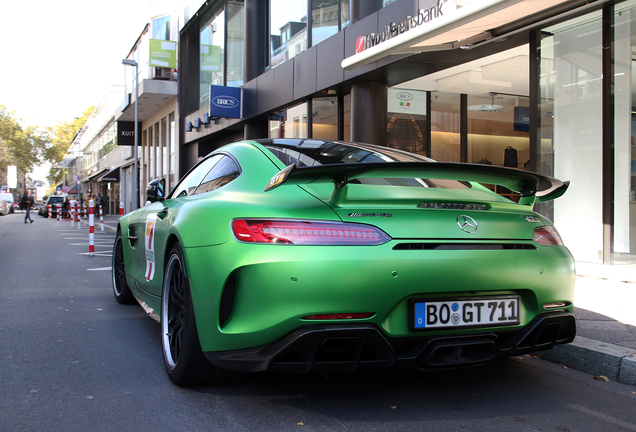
(91, 228)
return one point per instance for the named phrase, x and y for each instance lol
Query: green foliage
(23, 148)
(29, 147)
(62, 136)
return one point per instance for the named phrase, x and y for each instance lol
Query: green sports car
(298, 255)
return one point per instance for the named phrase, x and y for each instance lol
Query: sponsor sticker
(149, 242)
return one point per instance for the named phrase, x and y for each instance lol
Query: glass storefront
(624, 235)
(407, 120)
(324, 118)
(571, 101)
(289, 123)
(480, 113)
(445, 127)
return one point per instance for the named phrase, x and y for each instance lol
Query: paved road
(75, 360)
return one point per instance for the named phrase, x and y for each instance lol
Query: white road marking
(602, 416)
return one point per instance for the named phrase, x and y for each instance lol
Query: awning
(111, 177)
(73, 190)
(443, 28)
(98, 173)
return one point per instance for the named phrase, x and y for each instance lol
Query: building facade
(544, 85)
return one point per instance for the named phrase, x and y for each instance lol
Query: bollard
(72, 210)
(79, 220)
(59, 214)
(49, 211)
(91, 228)
(121, 209)
(85, 211)
(101, 217)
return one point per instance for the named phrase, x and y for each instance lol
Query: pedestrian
(27, 201)
(98, 201)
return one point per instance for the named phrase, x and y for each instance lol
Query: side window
(223, 172)
(190, 182)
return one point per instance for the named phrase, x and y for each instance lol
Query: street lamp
(135, 201)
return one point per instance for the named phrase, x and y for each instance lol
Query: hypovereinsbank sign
(391, 30)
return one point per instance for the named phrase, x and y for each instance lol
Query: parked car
(5, 208)
(8, 196)
(302, 255)
(53, 200)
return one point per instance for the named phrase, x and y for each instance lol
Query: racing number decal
(149, 242)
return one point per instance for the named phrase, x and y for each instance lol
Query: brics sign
(225, 102)
(395, 29)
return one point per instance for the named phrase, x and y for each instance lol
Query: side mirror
(156, 190)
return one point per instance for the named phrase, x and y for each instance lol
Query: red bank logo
(394, 29)
(360, 44)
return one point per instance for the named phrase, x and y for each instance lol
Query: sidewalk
(605, 309)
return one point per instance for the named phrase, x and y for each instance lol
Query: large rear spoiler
(531, 186)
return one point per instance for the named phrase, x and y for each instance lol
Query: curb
(598, 358)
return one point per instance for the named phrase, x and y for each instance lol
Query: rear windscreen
(305, 153)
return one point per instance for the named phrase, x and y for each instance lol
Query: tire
(120, 286)
(183, 358)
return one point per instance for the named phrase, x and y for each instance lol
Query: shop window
(212, 50)
(624, 245)
(289, 123)
(406, 129)
(570, 113)
(499, 130)
(324, 116)
(288, 30)
(445, 127)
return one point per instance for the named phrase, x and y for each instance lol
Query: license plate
(489, 311)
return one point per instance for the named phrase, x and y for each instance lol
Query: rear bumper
(344, 348)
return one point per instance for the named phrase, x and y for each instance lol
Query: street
(73, 359)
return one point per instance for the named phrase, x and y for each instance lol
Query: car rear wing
(531, 186)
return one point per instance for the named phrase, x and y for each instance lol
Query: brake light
(547, 236)
(300, 232)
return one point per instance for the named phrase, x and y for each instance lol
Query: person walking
(28, 203)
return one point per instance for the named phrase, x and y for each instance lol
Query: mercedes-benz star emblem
(467, 224)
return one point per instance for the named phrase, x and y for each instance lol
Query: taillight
(547, 236)
(300, 232)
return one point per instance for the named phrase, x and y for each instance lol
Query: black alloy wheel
(183, 358)
(120, 285)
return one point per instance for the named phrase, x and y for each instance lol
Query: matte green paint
(277, 285)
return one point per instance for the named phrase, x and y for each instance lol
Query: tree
(23, 148)
(62, 137)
